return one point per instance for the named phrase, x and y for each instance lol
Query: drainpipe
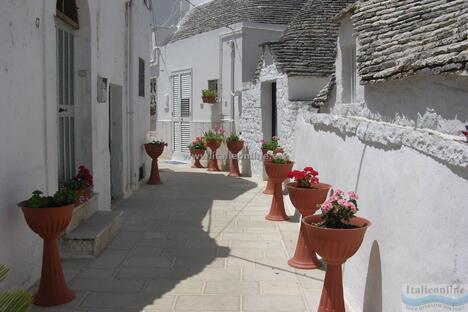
(220, 81)
(44, 96)
(129, 84)
(233, 68)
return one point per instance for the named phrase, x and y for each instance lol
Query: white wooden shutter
(181, 101)
(176, 96)
(186, 94)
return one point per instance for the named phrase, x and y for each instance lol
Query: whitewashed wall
(292, 94)
(201, 54)
(28, 110)
(399, 147)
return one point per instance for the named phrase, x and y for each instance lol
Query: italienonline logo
(434, 297)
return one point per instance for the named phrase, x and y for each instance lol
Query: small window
(153, 85)
(141, 77)
(349, 73)
(67, 11)
(213, 85)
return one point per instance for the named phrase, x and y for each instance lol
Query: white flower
(270, 153)
(279, 155)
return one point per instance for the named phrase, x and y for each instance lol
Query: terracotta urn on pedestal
(277, 173)
(197, 154)
(335, 246)
(48, 223)
(213, 161)
(270, 186)
(306, 201)
(234, 147)
(209, 99)
(154, 151)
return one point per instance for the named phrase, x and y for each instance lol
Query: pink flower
(338, 192)
(262, 141)
(353, 195)
(342, 202)
(326, 207)
(352, 206)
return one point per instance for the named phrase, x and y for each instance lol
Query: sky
(168, 12)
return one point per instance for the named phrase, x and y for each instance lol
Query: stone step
(92, 236)
(83, 212)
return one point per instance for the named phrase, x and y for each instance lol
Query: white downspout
(220, 81)
(130, 105)
(233, 68)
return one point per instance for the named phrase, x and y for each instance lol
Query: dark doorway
(116, 141)
(274, 118)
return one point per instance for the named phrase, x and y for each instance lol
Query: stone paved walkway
(199, 242)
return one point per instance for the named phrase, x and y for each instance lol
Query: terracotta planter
(277, 173)
(197, 154)
(83, 195)
(270, 186)
(335, 246)
(48, 223)
(307, 201)
(154, 151)
(235, 148)
(209, 99)
(213, 161)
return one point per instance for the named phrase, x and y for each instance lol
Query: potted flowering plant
(209, 96)
(235, 145)
(214, 138)
(48, 216)
(81, 184)
(197, 150)
(336, 235)
(154, 149)
(306, 194)
(277, 168)
(272, 145)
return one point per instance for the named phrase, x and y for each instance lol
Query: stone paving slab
(198, 242)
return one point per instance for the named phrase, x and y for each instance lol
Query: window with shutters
(181, 102)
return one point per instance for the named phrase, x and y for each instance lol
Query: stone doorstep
(83, 212)
(92, 236)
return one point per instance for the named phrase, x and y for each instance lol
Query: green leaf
(3, 271)
(16, 301)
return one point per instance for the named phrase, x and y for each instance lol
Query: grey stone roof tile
(221, 13)
(402, 38)
(308, 46)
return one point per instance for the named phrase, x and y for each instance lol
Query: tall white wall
(28, 110)
(399, 146)
(416, 203)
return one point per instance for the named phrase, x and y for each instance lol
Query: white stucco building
(216, 47)
(74, 91)
(290, 74)
(391, 131)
